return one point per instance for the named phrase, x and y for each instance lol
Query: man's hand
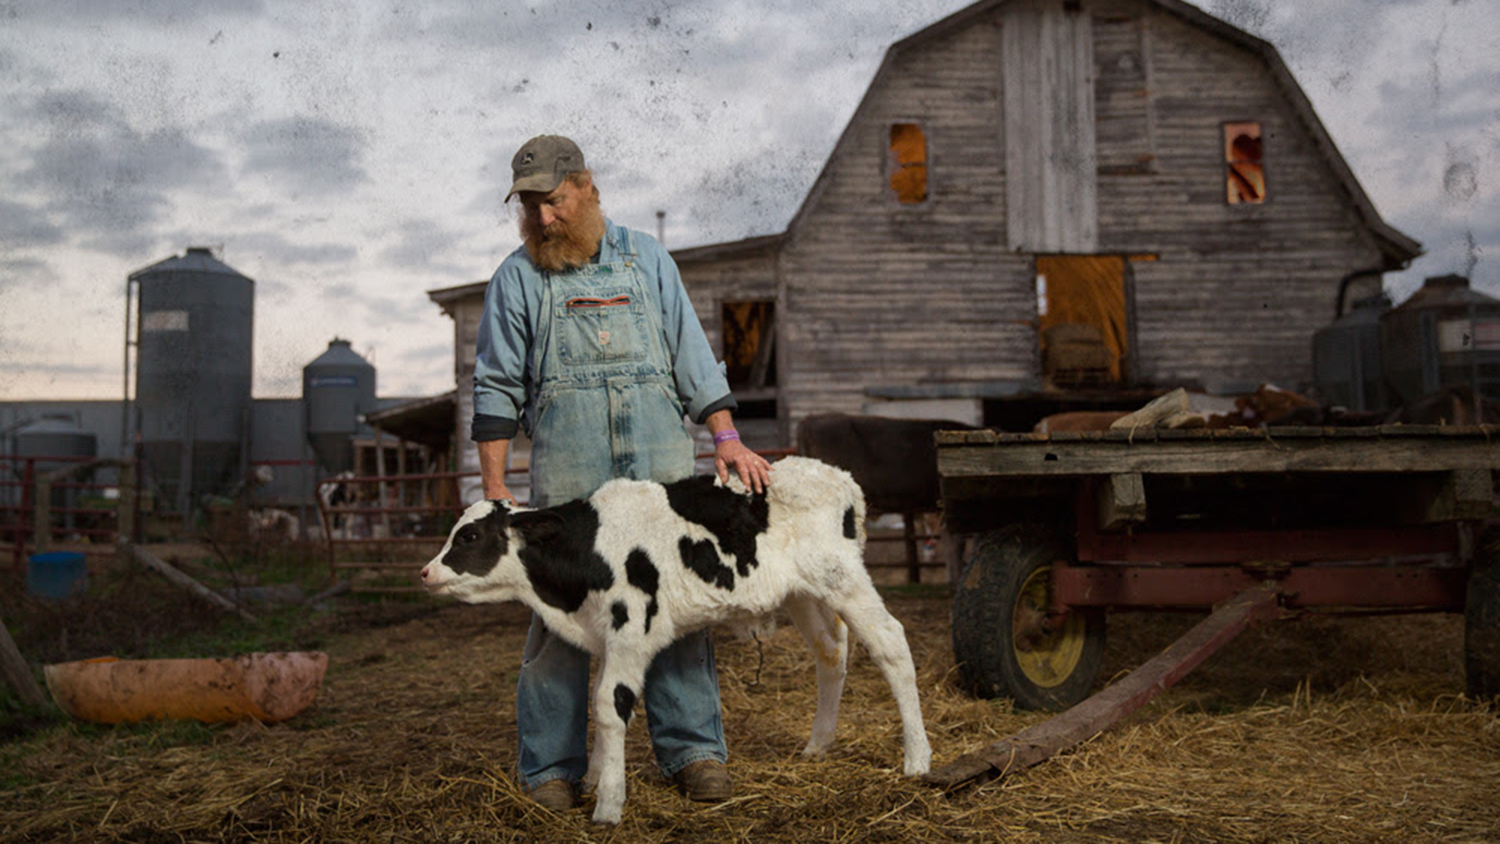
(730, 453)
(754, 470)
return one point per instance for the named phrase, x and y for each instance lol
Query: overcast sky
(350, 155)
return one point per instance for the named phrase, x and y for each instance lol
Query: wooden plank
(1229, 453)
(180, 580)
(1097, 714)
(1121, 501)
(1465, 494)
(16, 672)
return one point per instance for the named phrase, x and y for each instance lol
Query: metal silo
(337, 387)
(1444, 335)
(193, 372)
(1346, 357)
(58, 436)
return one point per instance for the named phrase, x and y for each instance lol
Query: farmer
(589, 343)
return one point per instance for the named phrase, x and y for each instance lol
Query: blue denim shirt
(506, 356)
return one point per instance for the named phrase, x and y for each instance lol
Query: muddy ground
(1316, 730)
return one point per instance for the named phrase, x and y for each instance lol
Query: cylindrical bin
(56, 574)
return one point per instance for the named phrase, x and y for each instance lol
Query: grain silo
(1346, 358)
(57, 436)
(1446, 334)
(337, 388)
(193, 373)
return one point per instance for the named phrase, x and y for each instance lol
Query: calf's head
(498, 552)
(473, 565)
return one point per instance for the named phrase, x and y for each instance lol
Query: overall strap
(627, 246)
(543, 329)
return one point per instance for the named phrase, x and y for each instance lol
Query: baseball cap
(542, 162)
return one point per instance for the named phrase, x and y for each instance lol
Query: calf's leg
(621, 677)
(885, 639)
(828, 638)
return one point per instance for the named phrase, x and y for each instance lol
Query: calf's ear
(537, 527)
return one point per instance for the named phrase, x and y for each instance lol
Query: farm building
(1050, 194)
(1041, 204)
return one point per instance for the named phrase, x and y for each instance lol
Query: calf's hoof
(606, 815)
(705, 782)
(919, 762)
(556, 795)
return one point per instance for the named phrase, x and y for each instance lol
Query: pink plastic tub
(265, 686)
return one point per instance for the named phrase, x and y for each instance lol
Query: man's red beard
(564, 246)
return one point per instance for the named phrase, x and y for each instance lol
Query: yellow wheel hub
(1046, 657)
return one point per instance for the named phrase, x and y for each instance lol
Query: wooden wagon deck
(1393, 474)
(1253, 523)
(1385, 448)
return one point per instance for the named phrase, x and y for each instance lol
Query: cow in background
(893, 460)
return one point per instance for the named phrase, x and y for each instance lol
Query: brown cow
(1078, 420)
(893, 460)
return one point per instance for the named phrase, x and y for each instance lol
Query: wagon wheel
(1482, 621)
(1003, 641)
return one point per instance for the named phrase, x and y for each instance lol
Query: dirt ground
(1315, 730)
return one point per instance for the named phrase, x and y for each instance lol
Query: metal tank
(337, 387)
(1446, 334)
(193, 373)
(1346, 358)
(57, 436)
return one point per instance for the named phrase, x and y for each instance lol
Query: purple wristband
(725, 436)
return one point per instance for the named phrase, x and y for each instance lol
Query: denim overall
(606, 407)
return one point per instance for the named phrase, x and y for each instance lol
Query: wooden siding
(1047, 72)
(1123, 129)
(874, 292)
(734, 278)
(1237, 290)
(466, 313)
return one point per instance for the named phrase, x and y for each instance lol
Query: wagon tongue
(1100, 712)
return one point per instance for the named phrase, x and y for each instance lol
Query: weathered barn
(1040, 204)
(1086, 194)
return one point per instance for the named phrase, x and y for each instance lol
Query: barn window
(750, 344)
(907, 163)
(1246, 175)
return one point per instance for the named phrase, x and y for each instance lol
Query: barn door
(1082, 320)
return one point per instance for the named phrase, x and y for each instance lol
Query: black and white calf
(627, 571)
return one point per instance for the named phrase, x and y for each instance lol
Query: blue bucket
(56, 574)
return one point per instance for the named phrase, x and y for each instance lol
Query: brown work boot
(556, 795)
(705, 782)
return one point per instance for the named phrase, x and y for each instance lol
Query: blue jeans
(606, 407)
(552, 707)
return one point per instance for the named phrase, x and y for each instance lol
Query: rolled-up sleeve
(702, 385)
(500, 357)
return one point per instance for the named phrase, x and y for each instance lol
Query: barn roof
(446, 297)
(1397, 248)
(747, 248)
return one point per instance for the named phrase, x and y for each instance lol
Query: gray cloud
(275, 248)
(402, 305)
(1467, 108)
(90, 12)
(422, 245)
(105, 180)
(24, 225)
(385, 307)
(306, 154)
(15, 272)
